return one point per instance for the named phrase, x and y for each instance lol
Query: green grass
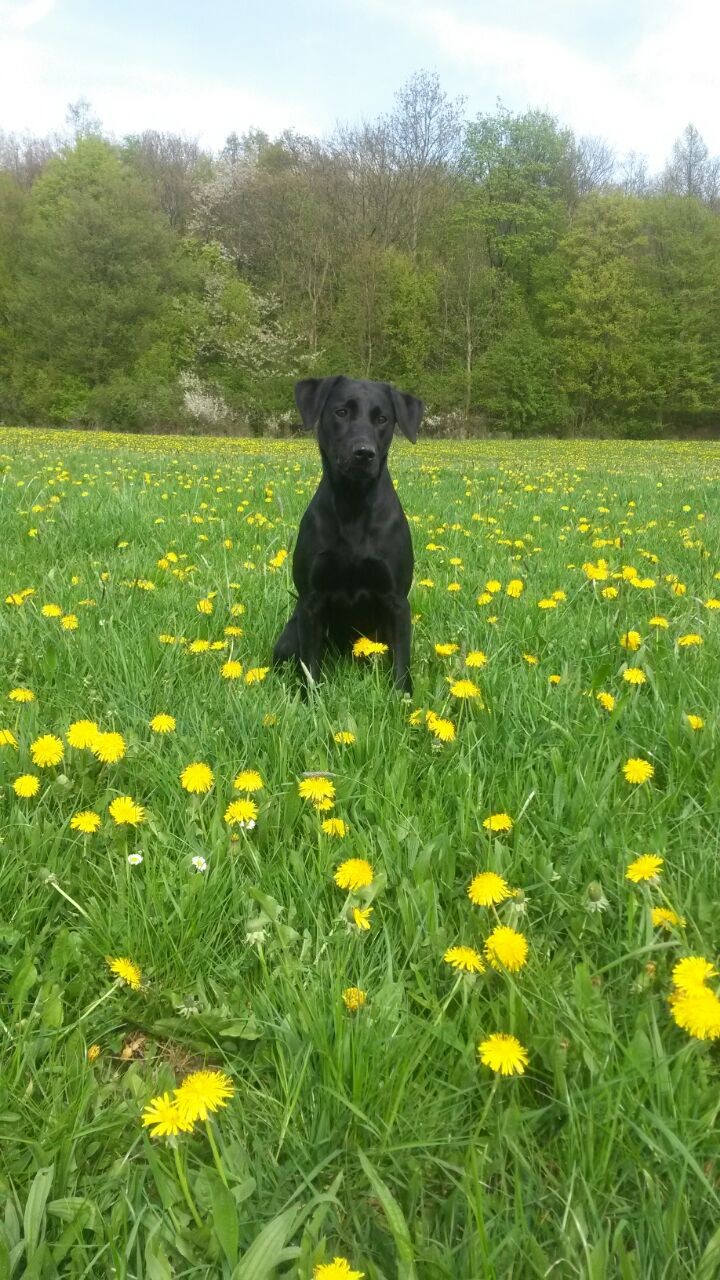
(377, 1136)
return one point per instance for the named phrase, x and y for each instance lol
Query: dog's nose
(364, 452)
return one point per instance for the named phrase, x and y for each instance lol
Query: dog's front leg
(400, 644)
(311, 635)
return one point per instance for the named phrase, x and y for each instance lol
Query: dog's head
(355, 423)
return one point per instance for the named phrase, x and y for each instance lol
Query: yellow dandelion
(487, 889)
(661, 623)
(647, 867)
(46, 751)
(697, 1011)
(476, 658)
(631, 640)
(695, 722)
(125, 812)
(241, 813)
(365, 648)
(197, 778)
(637, 771)
(688, 641)
(464, 689)
(163, 723)
(515, 588)
(339, 1268)
(82, 734)
(126, 970)
(666, 918)
(69, 622)
(606, 700)
(335, 827)
(203, 1092)
(51, 611)
(692, 972)
(26, 786)
(164, 1119)
(634, 675)
(354, 998)
(87, 821)
(21, 695)
(361, 917)
(8, 739)
(108, 747)
(344, 738)
(498, 822)
(231, 670)
(316, 789)
(93, 1053)
(248, 780)
(256, 674)
(506, 949)
(464, 959)
(503, 1054)
(354, 874)
(446, 650)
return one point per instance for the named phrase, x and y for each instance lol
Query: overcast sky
(632, 71)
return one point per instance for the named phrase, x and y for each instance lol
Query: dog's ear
(310, 397)
(408, 412)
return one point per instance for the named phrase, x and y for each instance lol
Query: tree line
(518, 278)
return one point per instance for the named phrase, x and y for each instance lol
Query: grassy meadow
(354, 1115)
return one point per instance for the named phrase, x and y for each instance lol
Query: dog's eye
(381, 419)
(341, 413)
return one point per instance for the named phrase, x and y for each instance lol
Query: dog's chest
(345, 576)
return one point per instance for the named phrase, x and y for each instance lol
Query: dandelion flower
(197, 778)
(26, 786)
(125, 970)
(506, 949)
(634, 675)
(8, 739)
(488, 889)
(503, 1054)
(691, 972)
(335, 827)
(125, 812)
(354, 998)
(464, 959)
(361, 917)
(46, 751)
(51, 611)
(231, 670)
(606, 700)
(354, 874)
(661, 623)
(21, 695)
(644, 868)
(203, 1092)
(82, 734)
(108, 747)
(446, 650)
(338, 1269)
(687, 642)
(443, 730)
(464, 689)
(93, 1053)
(69, 622)
(365, 648)
(498, 822)
(476, 658)
(515, 588)
(163, 723)
(248, 780)
(164, 1119)
(637, 770)
(316, 789)
(631, 640)
(86, 821)
(241, 813)
(697, 1011)
(344, 738)
(256, 674)
(665, 918)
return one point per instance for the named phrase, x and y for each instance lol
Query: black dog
(353, 561)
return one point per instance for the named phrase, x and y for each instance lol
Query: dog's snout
(364, 452)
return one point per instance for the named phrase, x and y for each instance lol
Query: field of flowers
(345, 985)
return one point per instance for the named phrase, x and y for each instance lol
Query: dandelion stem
(216, 1154)
(182, 1179)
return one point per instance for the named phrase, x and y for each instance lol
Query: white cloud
(18, 15)
(639, 100)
